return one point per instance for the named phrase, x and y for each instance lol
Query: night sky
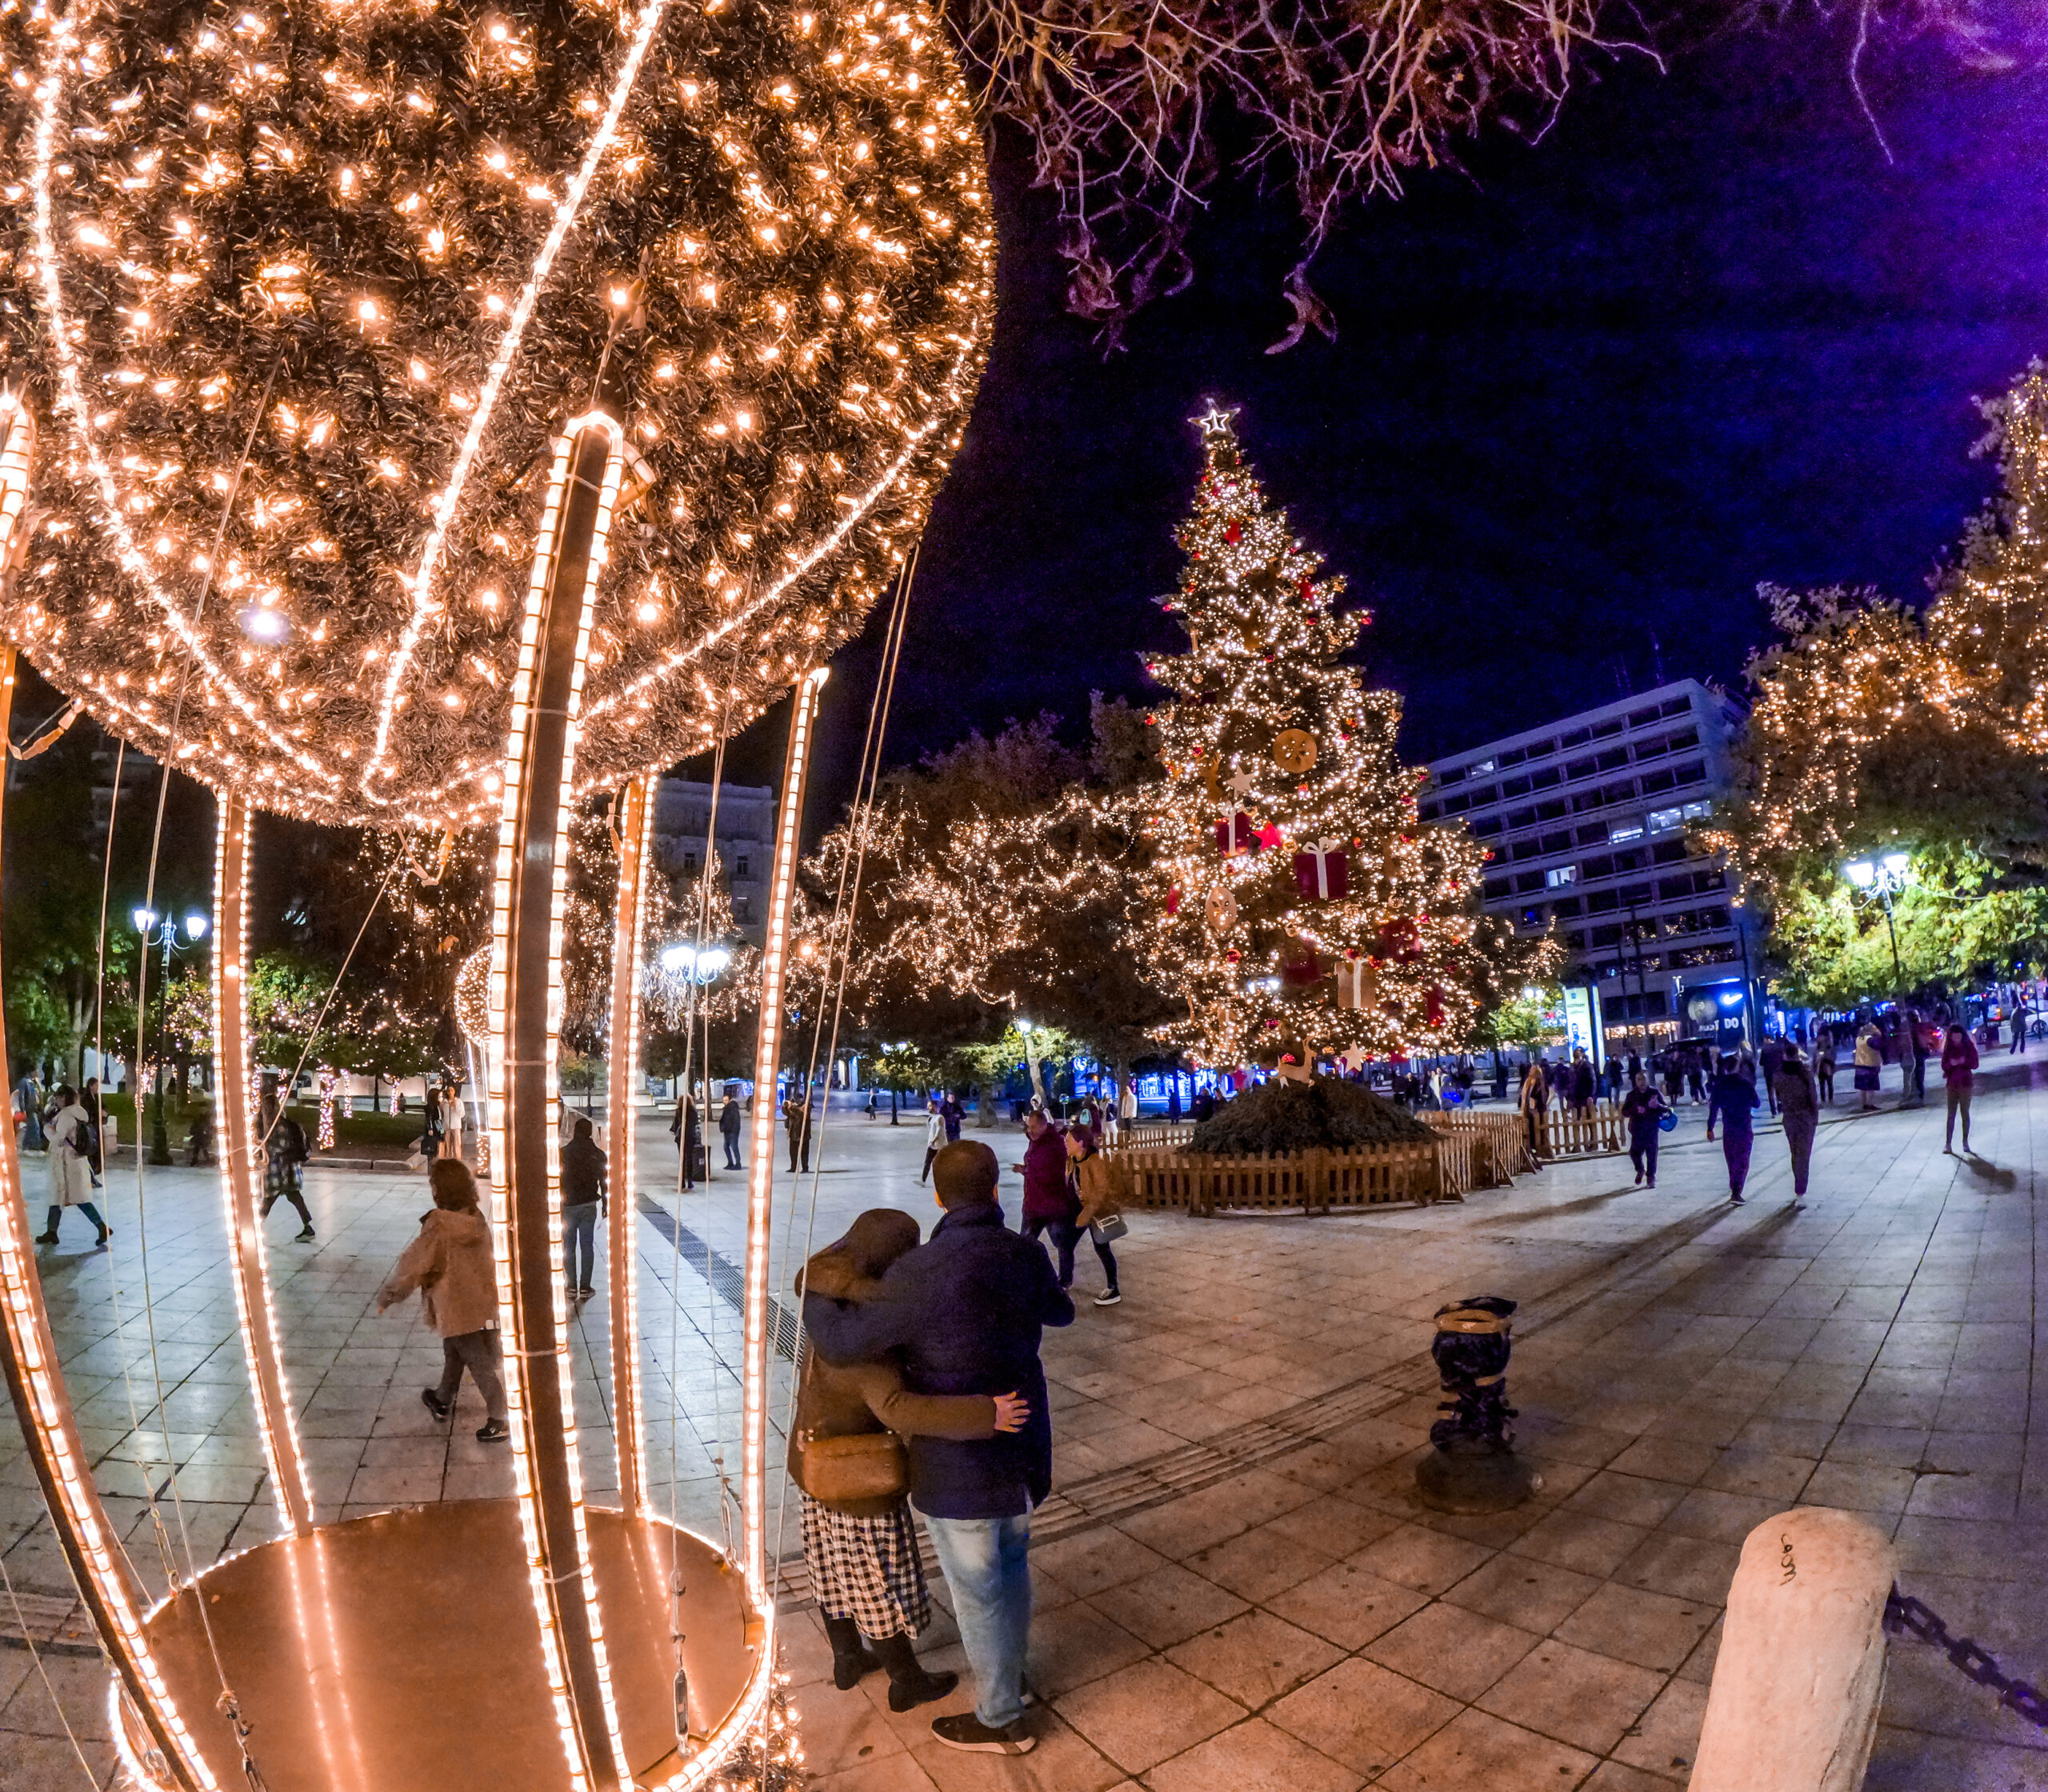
(1587, 394)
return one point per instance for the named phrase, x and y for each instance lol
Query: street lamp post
(146, 925)
(1884, 877)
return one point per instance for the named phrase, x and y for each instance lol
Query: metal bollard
(1473, 1468)
(1793, 1705)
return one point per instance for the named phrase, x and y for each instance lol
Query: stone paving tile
(1685, 1370)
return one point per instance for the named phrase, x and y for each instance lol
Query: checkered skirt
(866, 1569)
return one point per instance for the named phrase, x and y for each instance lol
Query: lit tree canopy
(1291, 873)
(1003, 871)
(1876, 729)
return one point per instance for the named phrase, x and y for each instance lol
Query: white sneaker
(1109, 1297)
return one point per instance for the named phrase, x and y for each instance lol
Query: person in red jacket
(1959, 1075)
(1050, 1202)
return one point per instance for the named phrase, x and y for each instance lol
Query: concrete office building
(1588, 820)
(746, 840)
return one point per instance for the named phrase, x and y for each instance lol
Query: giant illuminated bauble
(387, 250)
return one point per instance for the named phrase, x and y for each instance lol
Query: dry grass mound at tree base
(1324, 1114)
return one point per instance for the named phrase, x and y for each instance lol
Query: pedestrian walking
(689, 1135)
(1732, 1096)
(731, 1121)
(1100, 1217)
(796, 1121)
(450, 1264)
(847, 1458)
(935, 1139)
(1770, 1057)
(1959, 1078)
(1695, 1077)
(1644, 1109)
(1799, 1101)
(1050, 1203)
(451, 1120)
(1535, 1104)
(584, 1188)
(953, 1114)
(282, 1141)
(963, 1314)
(70, 1170)
(1916, 1046)
(1870, 1061)
(28, 1104)
(1824, 1063)
(1127, 1110)
(1582, 1085)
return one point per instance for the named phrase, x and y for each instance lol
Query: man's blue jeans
(579, 1237)
(987, 1563)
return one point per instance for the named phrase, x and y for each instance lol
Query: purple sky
(1585, 395)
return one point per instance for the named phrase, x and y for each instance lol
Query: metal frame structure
(524, 1006)
(761, 1169)
(636, 829)
(242, 1172)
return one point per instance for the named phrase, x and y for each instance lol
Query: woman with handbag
(70, 1133)
(1095, 1188)
(847, 1457)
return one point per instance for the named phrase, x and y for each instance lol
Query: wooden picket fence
(1157, 1177)
(1600, 1132)
(1499, 1143)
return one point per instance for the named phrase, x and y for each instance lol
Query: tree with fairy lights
(1875, 728)
(1299, 906)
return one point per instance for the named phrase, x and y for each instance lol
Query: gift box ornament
(1235, 835)
(1357, 984)
(1300, 965)
(1402, 941)
(1322, 871)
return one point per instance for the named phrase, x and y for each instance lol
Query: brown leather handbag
(866, 1465)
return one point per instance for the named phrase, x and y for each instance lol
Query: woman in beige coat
(450, 1264)
(70, 1167)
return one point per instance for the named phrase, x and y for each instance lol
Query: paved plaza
(1237, 1590)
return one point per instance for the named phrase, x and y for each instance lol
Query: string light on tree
(1297, 899)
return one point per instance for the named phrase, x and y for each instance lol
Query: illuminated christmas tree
(1299, 906)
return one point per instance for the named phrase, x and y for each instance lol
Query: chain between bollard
(1911, 1617)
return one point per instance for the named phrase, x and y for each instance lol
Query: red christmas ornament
(1307, 588)
(1433, 1014)
(1233, 532)
(1173, 900)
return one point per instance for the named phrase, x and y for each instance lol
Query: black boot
(850, 1657)
(909, 1684)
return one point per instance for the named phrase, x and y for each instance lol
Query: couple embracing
(936, 1344)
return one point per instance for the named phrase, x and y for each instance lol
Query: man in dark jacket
(583, 1168)
(730, 1123)
(963, 1312)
